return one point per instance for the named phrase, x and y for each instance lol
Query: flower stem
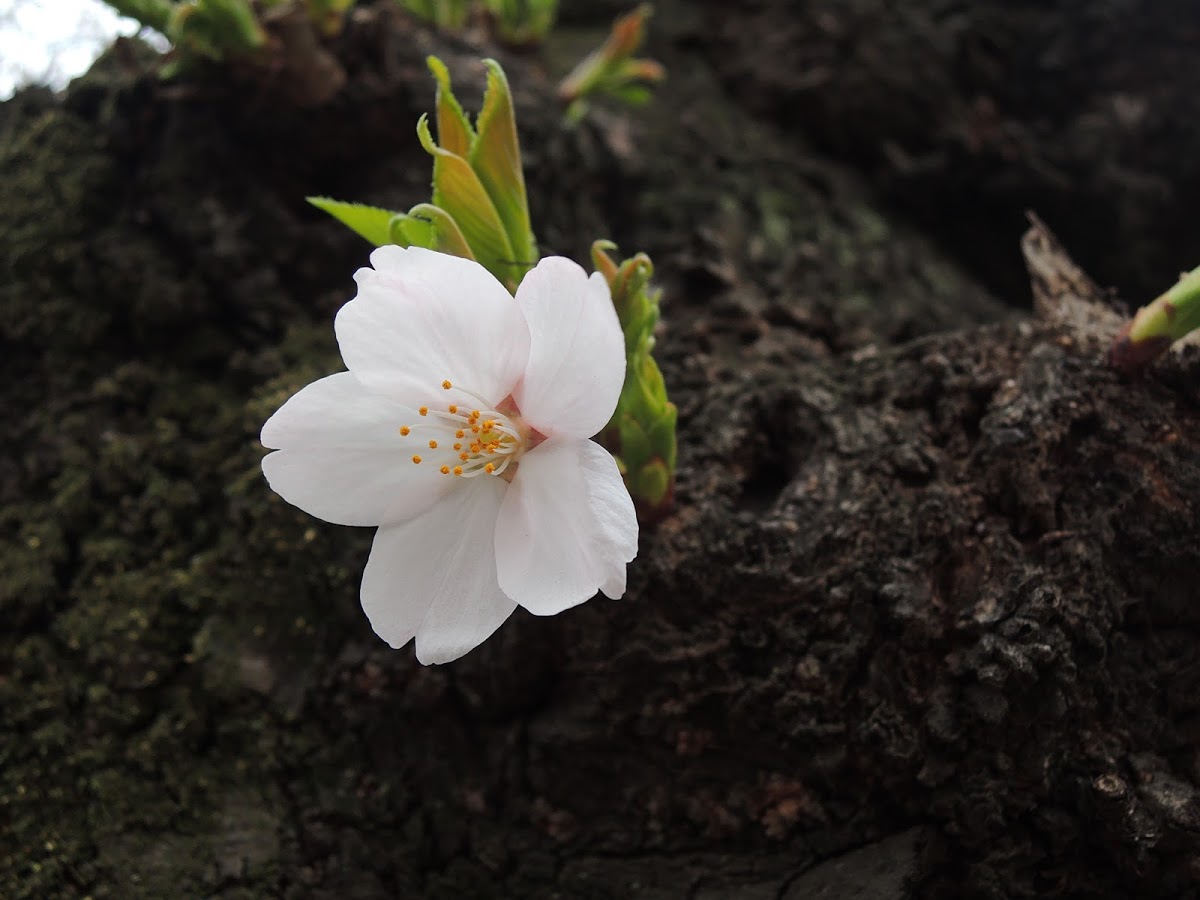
(1171, 316)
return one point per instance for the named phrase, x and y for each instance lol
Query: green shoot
(612, 71)
(521, 23)
(1173, 315)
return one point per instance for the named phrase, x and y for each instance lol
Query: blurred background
(52, 41)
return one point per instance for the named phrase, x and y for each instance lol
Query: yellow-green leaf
(369, 222)
(458, 191)
(496, 158)
(454, 131)
(435, 229)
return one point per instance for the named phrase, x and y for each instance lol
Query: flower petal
(421, 318)
(576, 352)
(434, 577)
(340, 457)
(566, 529)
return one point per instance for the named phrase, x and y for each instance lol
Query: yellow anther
(416, 460)
(488, 423)
(464, 456)
(447, 385)
(424, 410)
(489, 468)
(404, 430)
(458, 470)
(433, 445)
(460, 433)
(453, 408)
(458, 446)
(475, 414)
(474, 429)
(445, 470)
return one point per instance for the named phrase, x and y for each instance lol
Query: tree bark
(967, 115)
(922, 624)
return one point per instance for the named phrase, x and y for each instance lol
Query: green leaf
(454, 130)
(633, 94)
(369, 222)
(458, 191)
(435, 229)
(496, 158)
(154, 14)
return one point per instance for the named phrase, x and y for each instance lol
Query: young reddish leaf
(458, 191)
(454, 131)
(496, 158)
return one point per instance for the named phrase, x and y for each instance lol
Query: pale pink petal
(339, 455)
(421, 318)
(567, 527)
(576, 350)
(434, 577)
(614, 588)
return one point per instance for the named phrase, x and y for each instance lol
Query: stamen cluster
(485, 442)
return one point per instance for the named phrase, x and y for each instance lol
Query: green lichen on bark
(145, 574)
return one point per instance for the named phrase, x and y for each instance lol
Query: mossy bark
(926, 598)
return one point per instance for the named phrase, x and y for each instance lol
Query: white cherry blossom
(462, 429)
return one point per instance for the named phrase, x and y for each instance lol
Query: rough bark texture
(923, 624)
(967, 114)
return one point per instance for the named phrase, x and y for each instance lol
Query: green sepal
(458, 191)
(370, 222)
(495, 155)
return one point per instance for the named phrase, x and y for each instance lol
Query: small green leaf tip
(641, 432)
(450, 15)
(1172, 315)
(216, 29)
(370, 222)
(521, 24)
